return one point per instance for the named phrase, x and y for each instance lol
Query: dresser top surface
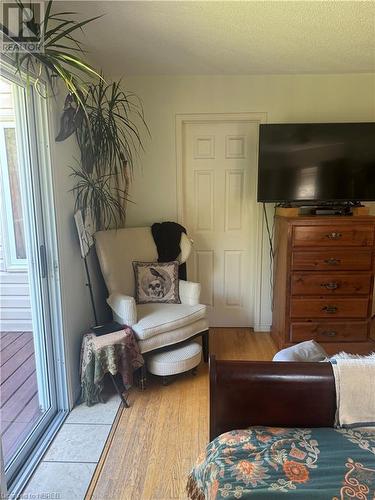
(327, 219)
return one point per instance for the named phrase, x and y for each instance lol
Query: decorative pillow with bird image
(156, 282)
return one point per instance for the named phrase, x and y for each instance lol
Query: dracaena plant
(109, 138)
(61, 53)
(104, 117)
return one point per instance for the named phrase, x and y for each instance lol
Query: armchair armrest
(124, 308)
(189, 292)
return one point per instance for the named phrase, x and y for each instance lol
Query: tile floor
(67, 468)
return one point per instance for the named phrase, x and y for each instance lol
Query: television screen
(316, 162)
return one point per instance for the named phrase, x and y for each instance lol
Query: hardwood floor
(155, 442)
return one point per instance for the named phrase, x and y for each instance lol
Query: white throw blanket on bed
(355, 390)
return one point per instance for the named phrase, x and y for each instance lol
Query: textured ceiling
(244, 37)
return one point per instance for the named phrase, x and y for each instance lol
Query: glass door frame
(40, 229)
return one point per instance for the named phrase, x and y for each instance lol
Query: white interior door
(219, 211)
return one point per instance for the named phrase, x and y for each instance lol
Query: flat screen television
(316, 162)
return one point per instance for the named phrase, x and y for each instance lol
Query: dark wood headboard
(279, 394)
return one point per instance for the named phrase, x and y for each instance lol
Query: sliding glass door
(29, 376)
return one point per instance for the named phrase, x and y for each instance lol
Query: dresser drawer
(329, 332)
(329, 308)
(330, 284)
(356, 235)
(333, 260)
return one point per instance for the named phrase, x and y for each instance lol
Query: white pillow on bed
(304, 351)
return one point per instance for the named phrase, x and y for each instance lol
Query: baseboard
(262, 328)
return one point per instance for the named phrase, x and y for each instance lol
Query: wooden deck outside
(19, 404)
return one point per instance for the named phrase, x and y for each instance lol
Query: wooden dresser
(323, 282)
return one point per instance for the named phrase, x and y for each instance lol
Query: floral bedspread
(267, 462)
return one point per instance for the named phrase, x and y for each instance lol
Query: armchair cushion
(174, 336)
(154, 319)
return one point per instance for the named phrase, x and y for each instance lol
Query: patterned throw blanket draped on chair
(116, 352)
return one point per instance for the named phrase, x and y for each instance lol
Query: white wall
(285, 98)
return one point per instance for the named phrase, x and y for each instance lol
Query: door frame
(260, 323)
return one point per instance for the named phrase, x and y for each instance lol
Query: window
(13, 236)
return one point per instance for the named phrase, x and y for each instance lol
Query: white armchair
(155, 325)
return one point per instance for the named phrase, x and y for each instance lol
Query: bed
(272, 436)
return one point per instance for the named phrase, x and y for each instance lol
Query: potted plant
(60, 54)
(104, 117)
(109, 140)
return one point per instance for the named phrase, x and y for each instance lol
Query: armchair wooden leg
(205, 345)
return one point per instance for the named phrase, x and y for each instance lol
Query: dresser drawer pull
(333, 236)
(330, 286)
(330, 309)
(332, 261)
(329, 333)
